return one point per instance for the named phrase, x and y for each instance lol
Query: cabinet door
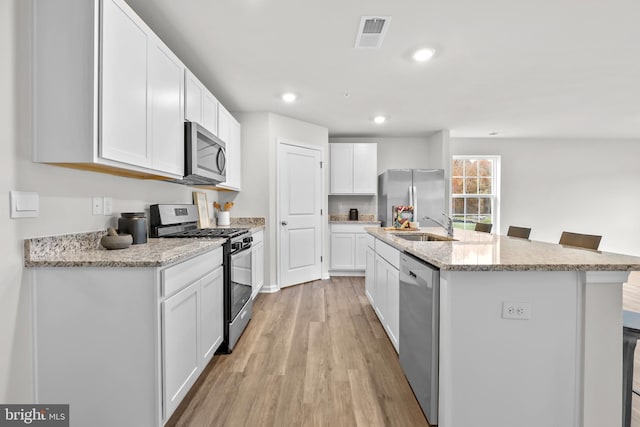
(341, 168)
(234, 160)
(365, 168)
(210, 112)
(361, 251)
(166, 86)
(180, 355)
(380, 290)
(194, 94)
(370, 275)
(211, 314)
(123, 86)
(343, 251)
(393, 305)
(224, 123)
(257, 268)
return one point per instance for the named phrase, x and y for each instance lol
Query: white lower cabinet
(257, 263)
(370, 273)
(211, 309)
(348, 248)
(180, 329)
(132, 338)
(382, 287)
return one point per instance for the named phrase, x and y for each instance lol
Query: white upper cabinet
(124, 87)
(200, 104)
(167, 125)
(108, 94)
(229, 131)
(354, 168)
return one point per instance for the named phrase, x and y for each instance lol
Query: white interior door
(300, 219)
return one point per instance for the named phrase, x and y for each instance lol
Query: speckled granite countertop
(84, 250)
(475, 251)
(344, 219)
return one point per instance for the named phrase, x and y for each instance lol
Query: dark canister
(134, 223)
(353, 214)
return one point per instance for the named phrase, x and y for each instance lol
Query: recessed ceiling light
(379, 119)
(423, 55)
(493, 133)
(289, 97)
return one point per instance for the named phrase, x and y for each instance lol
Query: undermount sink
(424, 237)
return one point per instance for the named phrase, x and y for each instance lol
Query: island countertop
(476, 251)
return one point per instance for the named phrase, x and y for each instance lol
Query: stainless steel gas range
(181, 221)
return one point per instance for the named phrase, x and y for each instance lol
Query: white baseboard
(269, 289)
(358, 273)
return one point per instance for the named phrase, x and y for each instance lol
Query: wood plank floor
(313, 355)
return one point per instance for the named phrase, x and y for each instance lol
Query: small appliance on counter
(134, 223)
(353, 214)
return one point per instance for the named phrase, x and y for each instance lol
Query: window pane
(470, 167)
(484, 186)
(457, 186)
(485, 167)
(471, 185)
(458, 206)
(472, 206)
(484, 206)
(457, 169)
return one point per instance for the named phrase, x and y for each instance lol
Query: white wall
(585, 186)
(260, 135)
(65, 201)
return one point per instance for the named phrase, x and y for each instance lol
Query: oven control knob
(247, 239)
(236, 246)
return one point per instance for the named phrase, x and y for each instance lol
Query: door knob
(284, 223)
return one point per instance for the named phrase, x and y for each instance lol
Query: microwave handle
(222, 158)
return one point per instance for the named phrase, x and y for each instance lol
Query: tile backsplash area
(341, 204)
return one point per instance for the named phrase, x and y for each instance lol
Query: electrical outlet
(108, 205)
(97, 205)
(516, 310)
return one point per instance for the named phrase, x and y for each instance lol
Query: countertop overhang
(476, 251)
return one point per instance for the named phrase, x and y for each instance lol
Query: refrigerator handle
(410, 195)
(415, 203)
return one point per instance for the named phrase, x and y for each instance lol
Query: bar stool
(520, 232)
(485, 228)
(630, 336)
(586, 241)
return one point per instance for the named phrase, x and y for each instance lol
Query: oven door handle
(246, 248)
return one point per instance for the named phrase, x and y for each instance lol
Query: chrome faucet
(448, 227)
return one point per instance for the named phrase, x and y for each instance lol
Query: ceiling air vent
(372, 30)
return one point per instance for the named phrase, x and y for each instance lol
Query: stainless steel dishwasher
(419, 324)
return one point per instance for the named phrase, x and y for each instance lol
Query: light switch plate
(97, 205)
(108, 205)
(24, 204)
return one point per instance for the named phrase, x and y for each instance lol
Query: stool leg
(628, 348)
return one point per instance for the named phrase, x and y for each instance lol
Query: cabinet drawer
(258, 237)
(371, 241)
(389, 253)
(180, 275)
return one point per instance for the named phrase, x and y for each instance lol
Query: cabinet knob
(284, 223)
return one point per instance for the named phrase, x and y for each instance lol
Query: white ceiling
(543, 68)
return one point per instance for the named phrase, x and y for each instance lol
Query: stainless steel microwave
(205, 157)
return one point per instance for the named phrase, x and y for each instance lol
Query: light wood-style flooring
(313, 355)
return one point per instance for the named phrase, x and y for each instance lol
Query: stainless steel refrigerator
(421, 188)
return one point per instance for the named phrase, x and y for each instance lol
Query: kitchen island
(561, 365)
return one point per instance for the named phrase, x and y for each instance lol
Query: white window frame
(494, 197)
